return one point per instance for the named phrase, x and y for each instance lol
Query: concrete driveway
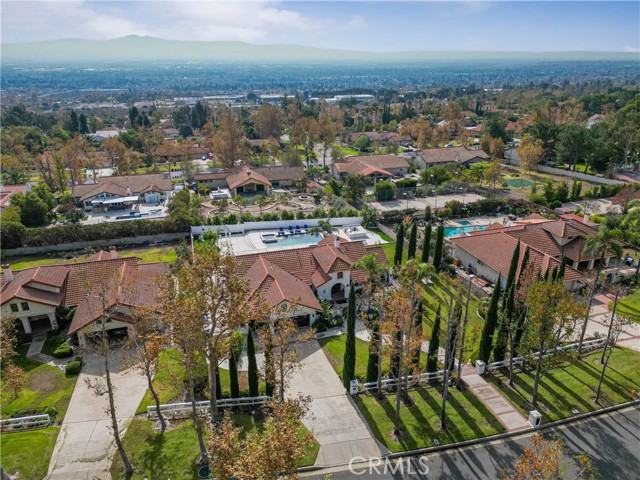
(85, 446)
(334, 418)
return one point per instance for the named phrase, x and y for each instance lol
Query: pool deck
(251, 242)
(475, 221)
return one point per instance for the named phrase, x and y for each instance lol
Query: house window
(14, 307)
(25, 306)
(340, 274)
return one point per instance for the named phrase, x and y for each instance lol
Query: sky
(380, 26)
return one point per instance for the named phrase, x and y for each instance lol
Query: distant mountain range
(136, 48)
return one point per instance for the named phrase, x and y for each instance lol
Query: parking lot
(421, 203)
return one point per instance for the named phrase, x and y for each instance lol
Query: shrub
(73, 368)
(555, 204)
(63, 351)
(538, 198)
(339, 320)
(320, 325)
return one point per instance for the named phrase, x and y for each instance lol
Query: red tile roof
(434, 156)
(309, 266)
(244, 175)
(372, 163)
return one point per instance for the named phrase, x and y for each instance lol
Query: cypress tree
(74, 123)
(437, 253)
(500, 347)
(349, 361)
(486, 340)
(426, 245)
(394, 363)
(417, 329)
(84, 128)
(413, 239)
(397, 258)
(525, 261)
(434, 344)
(218, 384)
(252, 364)
(427, 213)
(453, 336)
(511, 278)
(563, 267)
(554, 274)
(233, 374)
(372, 363)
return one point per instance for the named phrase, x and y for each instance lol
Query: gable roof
(118, 185)
(303, 268)
(372, 162)
(245, 175)
(451, 155)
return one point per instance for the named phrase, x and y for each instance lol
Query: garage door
(303, 320)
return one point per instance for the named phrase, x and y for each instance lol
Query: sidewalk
(504, 411)
(36, 347)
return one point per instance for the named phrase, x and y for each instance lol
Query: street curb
(489, 439)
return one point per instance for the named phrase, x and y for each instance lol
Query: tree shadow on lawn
(607, 381)
(370, 419)
(545, 382)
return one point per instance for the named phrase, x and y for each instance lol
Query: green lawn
(27, 454)
(438, 294)
(51, 343)
(146, 254)
(347, 150)
(571, 387)
(334, 348)
(47, 390)
(169, 381)
(629, 306)
(467, 418)
(173, 454)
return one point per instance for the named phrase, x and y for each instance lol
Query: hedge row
(39, 237)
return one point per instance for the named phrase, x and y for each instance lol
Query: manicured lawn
(146, 254)
(629, 306)
(334, 348)
(571, 387)
(173, 454)
(27, 453)
(437, 294)
(52, 342)
(169, 382)
(45, 387)
(467, 418)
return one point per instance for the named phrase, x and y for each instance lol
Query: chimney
(336, 241)
(8, 274)
(128, 190)
(112, 252)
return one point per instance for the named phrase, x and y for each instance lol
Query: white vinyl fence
(181, 410)
(409, 379)
(25, 423)
(517, 361)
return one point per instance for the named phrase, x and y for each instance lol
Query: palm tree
(598, 244)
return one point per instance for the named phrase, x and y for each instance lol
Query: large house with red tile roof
(442, 156)
(116, 192)
(373, 166)
(306, 276)
(488, 252)
(32, 295)
(244, 179)
(6, 191)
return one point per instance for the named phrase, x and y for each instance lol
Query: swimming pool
(464, 222)
(459, 231)
(294, 240)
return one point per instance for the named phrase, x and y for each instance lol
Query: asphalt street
(612, 440)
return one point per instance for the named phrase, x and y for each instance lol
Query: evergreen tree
(74, 123)
(500, 347)
(426, 245)
(218, 384)
(427, 213)
(83, 126)
(397, 258)
(133, 116)
(563, 267)
(394, 362)
(513, 268)
(413, 239)
(434, 344)
(146, 123)
(453, 336)
(525, 261)
(437, 253)
(417, 331)
(372, 363)
(252, 364)
(349, 365)
(233, 374)
(486, 340)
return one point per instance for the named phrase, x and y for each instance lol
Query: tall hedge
(413, 241)
(349, 365)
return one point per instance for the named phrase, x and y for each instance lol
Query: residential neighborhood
(232, 253)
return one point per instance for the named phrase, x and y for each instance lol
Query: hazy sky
(353, 25)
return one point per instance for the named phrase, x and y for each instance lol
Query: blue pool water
(292, 240)
(464, 222)
(458, 231)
